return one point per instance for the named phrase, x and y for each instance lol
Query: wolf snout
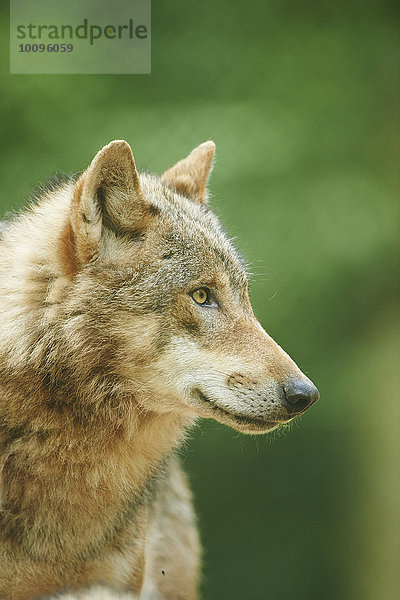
(299, 395)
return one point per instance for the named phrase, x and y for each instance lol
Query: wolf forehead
(188, 236)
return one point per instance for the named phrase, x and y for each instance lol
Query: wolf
(124, 318)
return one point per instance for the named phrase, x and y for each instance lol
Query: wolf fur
(106, 359)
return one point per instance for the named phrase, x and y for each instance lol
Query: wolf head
(158, 293)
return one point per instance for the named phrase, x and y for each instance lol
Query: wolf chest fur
(124, 317)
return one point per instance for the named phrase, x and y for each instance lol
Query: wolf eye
(201, 296)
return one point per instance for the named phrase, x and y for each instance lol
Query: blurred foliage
(300, 100)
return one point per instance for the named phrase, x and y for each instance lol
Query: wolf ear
(190, 175)
(107, 194)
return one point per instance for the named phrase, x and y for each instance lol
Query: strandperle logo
(84, 31)
(82, 37)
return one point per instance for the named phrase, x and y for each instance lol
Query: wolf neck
(78, 477)
(93, 453)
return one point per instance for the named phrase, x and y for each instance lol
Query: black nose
(300, 395)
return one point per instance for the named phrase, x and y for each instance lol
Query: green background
(300, 99)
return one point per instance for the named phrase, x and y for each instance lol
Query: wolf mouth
(239, 418)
